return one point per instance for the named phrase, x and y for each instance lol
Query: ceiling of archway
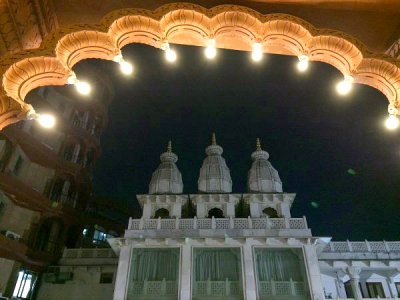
(41, 40)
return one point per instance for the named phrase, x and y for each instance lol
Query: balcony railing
(88, 253)
(222, 289)
(364, 246)
(151, 289)
(283, 288)
(218, 223)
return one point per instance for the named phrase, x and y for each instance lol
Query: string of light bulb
(343, 87)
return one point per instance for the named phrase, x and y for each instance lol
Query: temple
(222, 245)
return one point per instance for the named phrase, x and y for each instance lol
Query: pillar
(317, 290)
(185, 271)
(249, 273)
(121, 281)
(354, 273)
(230, 210)
(254, 210)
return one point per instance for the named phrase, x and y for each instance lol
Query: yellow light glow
(126, 67)
(170, 55)
(344, 86)
(257, 53)
(302, 65)
(46, 120)
(83, 87)
(392, 122)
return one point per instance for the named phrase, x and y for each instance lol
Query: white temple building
(222, 245)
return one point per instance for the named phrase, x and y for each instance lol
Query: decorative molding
(233, 27)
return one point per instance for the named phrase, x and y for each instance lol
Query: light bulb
(126, 67)
(344, 87)
(257, 53)
(302, 65)
(46, 120)
(83, 87)
(210, 50)
(392, 122)
(170, 55)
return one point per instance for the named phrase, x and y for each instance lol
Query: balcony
(218, 227)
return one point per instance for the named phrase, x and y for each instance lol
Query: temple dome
(262, 177)
(167, 178)
(214, 176)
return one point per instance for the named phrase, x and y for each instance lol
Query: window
(99, 237)
(217, 274)
(161, 213)
(106, 278)
(216, 213)
(375, 290)
(270, 212)
(281, 273)
(25, 284)
(154, 272)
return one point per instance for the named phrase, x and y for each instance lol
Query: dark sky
(313, 135)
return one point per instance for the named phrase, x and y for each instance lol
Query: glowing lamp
(302, 65)
(344, 86)
(210, 51)
(257, 52)
(392, 122)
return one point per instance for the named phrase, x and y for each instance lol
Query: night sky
(333, 151)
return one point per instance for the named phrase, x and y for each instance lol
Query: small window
(161, 213)
(216, 213)
(270, 212)
(106, 278)
(375, 290)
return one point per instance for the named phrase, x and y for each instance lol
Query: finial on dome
(169, 148)
(213, 139)
(258, 145)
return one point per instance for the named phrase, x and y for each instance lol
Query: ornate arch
(232, 27)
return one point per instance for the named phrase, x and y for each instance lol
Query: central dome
(214, 176)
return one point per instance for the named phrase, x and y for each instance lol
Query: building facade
(46, 200)
(220, 245)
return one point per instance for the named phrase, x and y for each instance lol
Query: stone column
(254, 210)
(121, 281)
(185, 271)
(354, 273)
(339, 284)
(249, 273)
(314, 275)
(391, 284)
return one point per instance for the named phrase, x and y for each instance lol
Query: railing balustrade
(217, 223)
(363, 246)
(88, 253)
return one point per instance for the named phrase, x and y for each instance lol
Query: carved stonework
(24, 23)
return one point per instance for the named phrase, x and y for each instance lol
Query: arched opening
(216, 213)
(278, 33)
(270, 212)
(162, 213)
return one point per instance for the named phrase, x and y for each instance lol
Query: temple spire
(213, 139)
(258, 145)
(169, 148)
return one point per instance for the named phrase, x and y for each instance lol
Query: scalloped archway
(232, 27)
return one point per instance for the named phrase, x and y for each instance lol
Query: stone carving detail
(24, 23)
